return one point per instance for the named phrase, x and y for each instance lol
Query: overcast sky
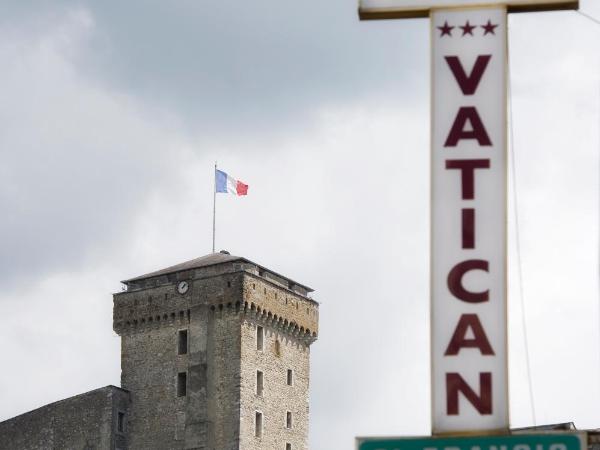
(113, 113)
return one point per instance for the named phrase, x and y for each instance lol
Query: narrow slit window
(182, 384)
(260, 333)
(258, 424)
(182, 342)
(288, 446)
(290, 377)
(259, 383)
(121, 422)
(288, 420)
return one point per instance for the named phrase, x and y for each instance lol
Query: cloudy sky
(113, 113)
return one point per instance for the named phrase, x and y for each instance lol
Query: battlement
(224, 284)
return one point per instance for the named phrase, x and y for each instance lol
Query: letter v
(468, 84)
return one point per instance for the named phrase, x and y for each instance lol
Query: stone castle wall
(84, 422)
(280, 352)
(149, 365)
(224, 378)
(149, 320)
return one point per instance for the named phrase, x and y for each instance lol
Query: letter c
(455, 281)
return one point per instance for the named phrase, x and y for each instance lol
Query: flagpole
(214, 206)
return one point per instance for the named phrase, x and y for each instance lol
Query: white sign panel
(468, 273)
(388, 9)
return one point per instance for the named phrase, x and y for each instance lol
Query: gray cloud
(112, 116)
(248, 67)
(76, 161)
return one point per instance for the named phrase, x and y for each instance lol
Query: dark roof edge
(166, 271)
(176, 268)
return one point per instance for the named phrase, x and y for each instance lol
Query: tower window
(277, 348)
(260, 332)
(258, 424)
(181, 384)
(121, 422)
(182, 342)
(290, 377)
(288, 420)
(259, 383)
(288, 446)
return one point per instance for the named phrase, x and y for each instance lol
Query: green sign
(546, 441)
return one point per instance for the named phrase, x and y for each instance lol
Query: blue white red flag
(225, 183)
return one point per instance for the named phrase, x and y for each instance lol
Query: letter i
(468, 228)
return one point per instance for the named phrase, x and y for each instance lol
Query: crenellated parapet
(228, 288)
(181, 317)
(279, 324)
(292, 307)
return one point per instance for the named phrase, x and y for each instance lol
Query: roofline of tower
(291, 291)
(258, 277)
(240, 258)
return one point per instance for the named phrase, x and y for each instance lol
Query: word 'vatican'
(468, 125)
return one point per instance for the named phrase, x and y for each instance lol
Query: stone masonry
(214, 356)
(229, 299)
(88, 421)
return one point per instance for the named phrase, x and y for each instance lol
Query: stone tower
(215, 354)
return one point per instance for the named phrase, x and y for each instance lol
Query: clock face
(183, 287)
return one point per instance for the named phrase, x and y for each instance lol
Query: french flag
(225, 183)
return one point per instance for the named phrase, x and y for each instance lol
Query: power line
(598, 204)
(517, 227)
(587, 16)
(596, 22)
(518, 240)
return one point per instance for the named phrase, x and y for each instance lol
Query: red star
(468, 28)
(489, 28)
(446, 29)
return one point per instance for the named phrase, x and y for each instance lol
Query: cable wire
(518, 237)
(593, 19)
(596, 22)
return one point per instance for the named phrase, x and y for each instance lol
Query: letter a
(459, 340)
(468, 84)
(458, 132)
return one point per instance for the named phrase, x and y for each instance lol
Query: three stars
(467, 28)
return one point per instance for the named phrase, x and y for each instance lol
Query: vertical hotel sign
(468, 207)
(468, 220)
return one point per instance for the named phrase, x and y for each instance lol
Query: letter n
(482, 402)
